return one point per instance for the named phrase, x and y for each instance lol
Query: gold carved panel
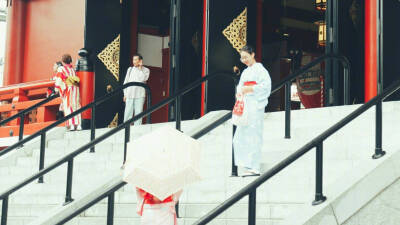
(114, 122)
(236, 32)
(110, 57)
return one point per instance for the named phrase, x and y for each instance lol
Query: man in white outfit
(134, 96)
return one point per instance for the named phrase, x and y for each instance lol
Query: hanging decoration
(236, 32)
(321, 33)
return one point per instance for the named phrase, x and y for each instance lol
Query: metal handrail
(110, 191)
(287, 82)
(70, 157)
(317, 142)
(91, 106)
(345, 63)
(176, 97)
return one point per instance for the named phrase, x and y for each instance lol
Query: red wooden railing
(15, 98)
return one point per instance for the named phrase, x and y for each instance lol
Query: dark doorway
(222, 54)
(290, 40)
(391, 45)
(154, 19)
(351, 45)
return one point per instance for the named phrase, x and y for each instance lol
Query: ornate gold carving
(236, 32)
(114, 122)
(110, 57)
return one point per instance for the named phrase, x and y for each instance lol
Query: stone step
(26, 210)
(20, 220)
(187, 211)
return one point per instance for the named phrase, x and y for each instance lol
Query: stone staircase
(289, 190)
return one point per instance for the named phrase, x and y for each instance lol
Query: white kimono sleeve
(262, 89)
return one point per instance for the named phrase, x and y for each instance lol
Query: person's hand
(247, 89)
(236, 70)
(124, 99)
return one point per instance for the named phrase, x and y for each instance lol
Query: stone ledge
(350, 193)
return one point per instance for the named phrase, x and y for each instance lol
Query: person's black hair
(138, 55)
(247, 48)
(59, 63)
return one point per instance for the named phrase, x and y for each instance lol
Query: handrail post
(378, 132)
(252, 208)
(319, 197)
(126, 140)
(234, 167)
(148, 119)
(93, 127)
(21, 127)
(177, 209)
(287, 109)
(68, 195)
(178, 113)
(42, 154)
(346, 86)
(110, 209)
(4, 211)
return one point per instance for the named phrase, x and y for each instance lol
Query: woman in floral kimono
(70, 95)
(153, 211)
(255, 86)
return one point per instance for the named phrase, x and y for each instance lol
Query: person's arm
(126, 81)
(239, 88)
(262, 89)
(144, 75)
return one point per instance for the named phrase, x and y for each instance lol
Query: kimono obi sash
(149, 199)
(249, 83)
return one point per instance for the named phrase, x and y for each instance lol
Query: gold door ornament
(114, 122)
(236, 32)
(110, 57)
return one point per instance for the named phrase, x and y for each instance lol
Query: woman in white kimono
(255, 86)
(153, 211)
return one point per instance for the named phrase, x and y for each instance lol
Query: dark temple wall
(103, 25)
(221, 55)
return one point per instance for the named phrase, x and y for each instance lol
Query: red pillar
(371, 61)
(259, 30)
(204, 69)
(85, 72)
(14, 55)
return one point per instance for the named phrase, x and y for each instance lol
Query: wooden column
(14, 55)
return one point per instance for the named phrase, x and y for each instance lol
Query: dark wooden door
(231, 17)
